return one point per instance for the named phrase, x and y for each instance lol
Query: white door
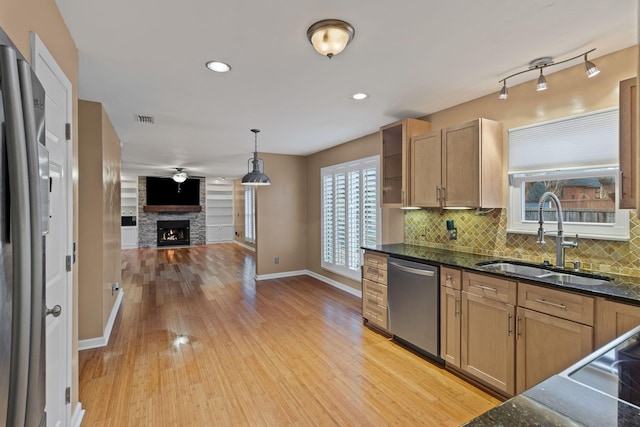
(58, 280)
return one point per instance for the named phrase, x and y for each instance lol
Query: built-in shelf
(172, 208)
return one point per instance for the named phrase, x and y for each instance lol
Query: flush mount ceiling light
(218, 67)
(542, 63)
(256, 174)
(180, 176)
(359, 96)
(329, 37)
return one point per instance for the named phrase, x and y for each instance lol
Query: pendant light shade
(542, 82)
(329, 37)
(256, 174)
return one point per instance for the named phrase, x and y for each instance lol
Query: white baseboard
(244, 246)
(334, 283)
(78, 415)
(280, 275)
(104, 339)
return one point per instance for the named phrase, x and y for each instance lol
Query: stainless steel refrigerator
(24, 212)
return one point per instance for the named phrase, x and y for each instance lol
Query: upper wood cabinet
(629, 144)
(396, 160)
(460, 166)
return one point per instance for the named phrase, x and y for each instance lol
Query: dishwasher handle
(421, 272)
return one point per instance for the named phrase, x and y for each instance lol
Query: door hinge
(67, 131)
(67, 395)
(68, 262)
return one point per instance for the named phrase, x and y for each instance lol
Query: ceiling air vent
(149, 120)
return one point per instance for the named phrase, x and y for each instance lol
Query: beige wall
(281, 221)
(99, 217)
(17, 19)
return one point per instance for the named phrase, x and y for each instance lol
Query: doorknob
(55, 311)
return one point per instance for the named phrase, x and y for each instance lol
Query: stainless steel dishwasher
(413, 294)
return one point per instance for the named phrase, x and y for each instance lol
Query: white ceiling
(413, 57)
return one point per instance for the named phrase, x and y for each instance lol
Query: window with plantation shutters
(249, 214)
(350, 214)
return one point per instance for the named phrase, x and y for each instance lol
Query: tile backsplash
(487, 235)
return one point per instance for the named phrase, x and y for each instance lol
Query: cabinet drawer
(490, 287)
(375, 313)
(374, 292)
(375, 260)
(565, 305)
(450, 277)
(375, 274)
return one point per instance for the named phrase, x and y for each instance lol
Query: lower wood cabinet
(488, 344)
(547, 345)
(450, 311)
(374, 289)
(614, 319)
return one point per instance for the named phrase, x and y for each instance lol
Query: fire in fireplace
(173, 233)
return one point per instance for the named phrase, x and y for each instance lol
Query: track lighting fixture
(540, 64)
(542, 82)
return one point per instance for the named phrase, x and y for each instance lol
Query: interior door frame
(39, 52)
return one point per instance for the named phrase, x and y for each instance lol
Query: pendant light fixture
(329, 37)
(542, 63)
(256, 175)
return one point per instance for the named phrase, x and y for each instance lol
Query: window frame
(250, 214)
(359, 165)
(619, 230)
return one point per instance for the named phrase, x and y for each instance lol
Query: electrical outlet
(277, 260)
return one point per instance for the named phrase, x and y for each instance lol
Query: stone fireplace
(173, 233)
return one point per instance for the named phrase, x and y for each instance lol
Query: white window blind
(585, 141)
(350, 214)
(249, 214)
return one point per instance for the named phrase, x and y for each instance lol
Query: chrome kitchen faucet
(561, 244)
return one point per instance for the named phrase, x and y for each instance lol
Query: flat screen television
(165, 191)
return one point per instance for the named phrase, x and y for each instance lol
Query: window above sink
(576, 158)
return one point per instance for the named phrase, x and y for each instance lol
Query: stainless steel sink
(533, 272)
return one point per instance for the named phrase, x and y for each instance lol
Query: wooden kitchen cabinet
(450, 313)
(629, 144)
(614, 319)
(460, 166)
(396, 164)
(374, 289)
(554, 329)
(488, 330)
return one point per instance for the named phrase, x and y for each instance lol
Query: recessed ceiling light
(359, 96)
(218, 67)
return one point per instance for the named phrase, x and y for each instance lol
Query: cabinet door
(628, 144)
(546, 345)
(487, 341)
(426, 168)
(461, 165)
(129, 236)
(396, 160)
(450, 302)
(614, 319)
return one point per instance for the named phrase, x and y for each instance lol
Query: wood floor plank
(198, 342)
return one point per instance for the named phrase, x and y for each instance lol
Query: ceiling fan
(179, 175)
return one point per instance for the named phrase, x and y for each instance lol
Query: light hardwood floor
(198, 342)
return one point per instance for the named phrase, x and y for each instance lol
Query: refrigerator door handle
(20, 236)
(36, 385)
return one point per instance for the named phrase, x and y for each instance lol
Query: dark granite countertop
(621, 288)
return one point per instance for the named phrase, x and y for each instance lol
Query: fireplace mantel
(172, 208)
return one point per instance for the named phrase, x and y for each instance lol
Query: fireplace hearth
(173, 233)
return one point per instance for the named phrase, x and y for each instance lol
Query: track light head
(504, 93)
(590, 68)
(542, 82)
